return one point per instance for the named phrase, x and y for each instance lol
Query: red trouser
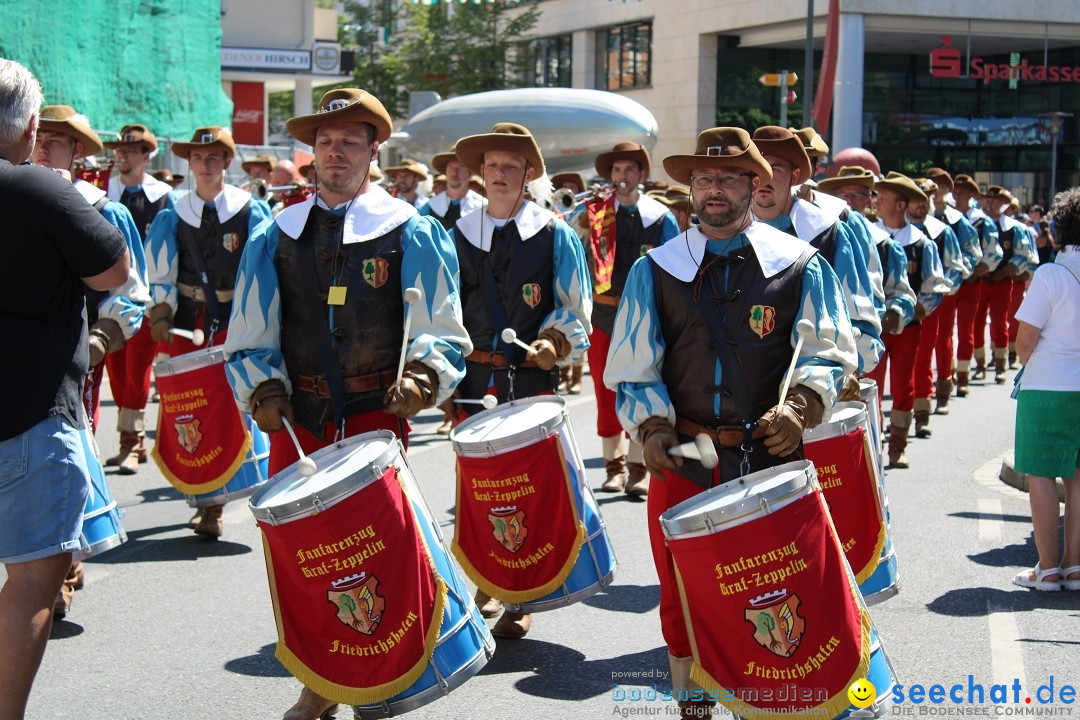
(129, 369)
(924, 357)
(607, 422)
(1015, 299)
(665, 493)
(967, 303)
(946, 313)
(283, 452)
(92, 394)
(900, 353)
(998, 295)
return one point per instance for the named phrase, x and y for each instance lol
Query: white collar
(934, 227)
(830, 204)
(153, 188)
(230, 201)
(906, 235)
(440, 204)
(1006, 223)
(371, 216)
(775, 251)
(974, 213)
(530, 220)
(877, 235)
(92, 193)
(809, 220)
(650, 209)
(952, 215)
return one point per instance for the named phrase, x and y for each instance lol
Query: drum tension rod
(319, 506)
(764, 505)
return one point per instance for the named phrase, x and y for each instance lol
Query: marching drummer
(521, 269)
(343, 300)
(750, 293)
(193, 253)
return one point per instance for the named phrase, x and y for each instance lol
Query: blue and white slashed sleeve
(126, 304)
(854, 280)
(898, 293)
(968, 237)
(933, 278)
(253, 346)
(866, 253)
(572, 315)
(954, 263)
(992, 254)
(669, 227)
(437, 334)
(162, 259)
(828, 352)
(636, 355)
(1025, 255)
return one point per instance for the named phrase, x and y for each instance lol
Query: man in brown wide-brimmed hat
(458, 198)
(317, 327)
(753, 284)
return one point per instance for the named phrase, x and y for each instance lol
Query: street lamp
(1055, 130)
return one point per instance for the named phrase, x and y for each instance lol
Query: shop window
(624, 56)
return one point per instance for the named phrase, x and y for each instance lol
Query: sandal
(1067, 584)
(1040, 582)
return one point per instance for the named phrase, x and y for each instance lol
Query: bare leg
(26, 607)
(1072, 524)
(1042, 493)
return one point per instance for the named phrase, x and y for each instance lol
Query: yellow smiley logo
(862, 693)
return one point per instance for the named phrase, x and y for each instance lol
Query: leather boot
(942, 391)
(137, 454)
(576, 371)
(638, 482)
(128, 440)
(211, 524)
(962, 388)
(614, 463)
(980, 370)
(898, 437)
(922, 418)
(512, 625)
(311, 706)
(1014, 359)
(133, 437)
(999, 370)
(489, 606)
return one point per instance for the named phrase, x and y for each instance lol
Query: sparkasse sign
(945, 63)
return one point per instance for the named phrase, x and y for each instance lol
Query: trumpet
(261, 189)
(566, 201)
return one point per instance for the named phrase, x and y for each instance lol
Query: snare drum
(513, 458)
(249, 478)
(868, 394)
(759, 552)
(101, 528)
(341, 522)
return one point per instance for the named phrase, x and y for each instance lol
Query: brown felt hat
(262, 159)
(64, 120)
(719, 147)
(167, 176)
(848, 175)
(305, 169)
(440, 161)
(782, 143)
(811, 141)
(998, 192)
(134, 135)
(967, 182)
(212, 136)
(675, 197)
(343, 105)
(928, 186)
(504, 137)
(624, 150)
(559, 179)
(941, 177)
(410, 166)
(902, 184)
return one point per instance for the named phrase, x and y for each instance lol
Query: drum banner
(602, 241)
(845, 470)
(517, 532)
(776, 624)
(356, 596)
(201, 436)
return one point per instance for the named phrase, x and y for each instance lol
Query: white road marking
(1006, 651)
(991, 521)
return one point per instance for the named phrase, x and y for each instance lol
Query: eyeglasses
(705, 182)
(853, 195)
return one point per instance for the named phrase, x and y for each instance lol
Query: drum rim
(735, 513)
(834, 428)
(523, 438)
(178, 364)
(331, 494)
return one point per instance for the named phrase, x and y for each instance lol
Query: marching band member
(621, 227)
(524, 269)
(345, 300)
(260, 167)
(1022, 278)
(895, 193)
(570, 375)
(129, 367)
(677, 200)
(193, 253)
(458, 199)
(775, 204)
(969, 301)
(752, 284)
(407, 178)
(168, 177)
(955, 268)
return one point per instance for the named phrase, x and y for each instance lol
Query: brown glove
(979, 271)
(657, 435)
(890, 323)
(1010, 270)
(785, 423)
(105, 337)
(269, 403)
(417, 390)
(920, 312)
(550, 347)
(160, 322)
(850, 391)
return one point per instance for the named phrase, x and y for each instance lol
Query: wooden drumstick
(510, 336)
(802, 327)
(195, 336)
(306, 466)
(410, 296)
(488, 401)
(701, 449)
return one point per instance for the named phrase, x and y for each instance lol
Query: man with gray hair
(51, 229)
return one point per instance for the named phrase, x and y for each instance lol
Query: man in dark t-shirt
(53, 244)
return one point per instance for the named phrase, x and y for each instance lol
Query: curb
(1019, 480)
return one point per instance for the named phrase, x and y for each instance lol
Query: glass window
(624, 56)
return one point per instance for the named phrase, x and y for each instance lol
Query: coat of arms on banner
(188, 433)
(762, 319)
(508, 527)
(231, 241)
(358, 602)
(376, 272)
(778, 627)
(530, 292)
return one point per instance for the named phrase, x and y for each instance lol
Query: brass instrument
(566, 201)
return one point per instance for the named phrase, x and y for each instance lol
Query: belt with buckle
(495, 360)
(355, 384)
(727, 437)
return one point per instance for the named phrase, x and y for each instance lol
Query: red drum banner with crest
(776, 624)
(601, 215)
(516, 531)
(356, 596)
(846, 472)
(201, 438)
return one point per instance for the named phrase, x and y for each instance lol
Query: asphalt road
(173, 626)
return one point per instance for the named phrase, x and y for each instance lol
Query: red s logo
(945, 61)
